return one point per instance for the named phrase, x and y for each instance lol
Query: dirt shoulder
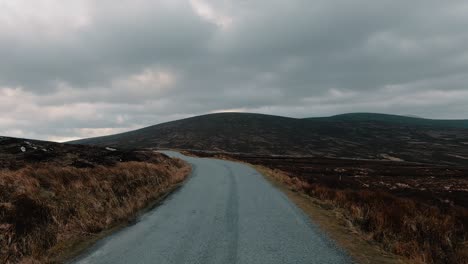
(335, 225)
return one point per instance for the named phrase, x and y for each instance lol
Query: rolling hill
(357, 136)
(396, 119)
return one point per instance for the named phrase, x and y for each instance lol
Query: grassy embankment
(401, 226)
(46, 211)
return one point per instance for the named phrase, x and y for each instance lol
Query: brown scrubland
(47, 209)
(44, 209)
(423, 233)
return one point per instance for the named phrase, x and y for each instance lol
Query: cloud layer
(97, 67)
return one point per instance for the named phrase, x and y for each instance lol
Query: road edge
(332, 222)
(79, 247)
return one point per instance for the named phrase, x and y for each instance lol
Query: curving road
(225, 213)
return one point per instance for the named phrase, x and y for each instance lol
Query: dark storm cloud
(103, 67)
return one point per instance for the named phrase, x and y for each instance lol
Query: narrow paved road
(226, 213)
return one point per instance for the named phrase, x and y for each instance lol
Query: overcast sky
(82, 68)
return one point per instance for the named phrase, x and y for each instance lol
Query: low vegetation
(423, 233)
(46, 208)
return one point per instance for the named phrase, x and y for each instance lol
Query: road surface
(225, 213)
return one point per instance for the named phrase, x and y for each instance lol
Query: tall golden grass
(43, 208)
(423, 233)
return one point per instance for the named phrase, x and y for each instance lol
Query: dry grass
(423, 233)
(43, 208)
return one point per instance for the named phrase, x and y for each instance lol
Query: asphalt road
(225, 213)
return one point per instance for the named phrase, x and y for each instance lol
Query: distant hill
(360, 136)
(396, 119)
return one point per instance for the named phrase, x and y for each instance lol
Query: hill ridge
(364, 135)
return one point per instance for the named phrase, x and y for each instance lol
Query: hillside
(55, 198)
(16, 153)
(361, 136)
(397, 119)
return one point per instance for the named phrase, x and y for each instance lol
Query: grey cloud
(296, 58)
(119, 42)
